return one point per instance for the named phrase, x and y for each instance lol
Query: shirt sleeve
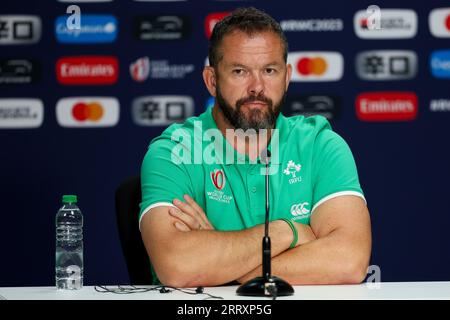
(334, 168)
(162, 179)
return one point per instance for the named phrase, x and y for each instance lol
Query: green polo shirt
(310, 164)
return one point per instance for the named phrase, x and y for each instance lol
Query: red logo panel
(387, 106)
(90, 70)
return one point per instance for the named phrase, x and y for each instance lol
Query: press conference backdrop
(78, 109)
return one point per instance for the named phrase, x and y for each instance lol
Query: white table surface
(386, 291)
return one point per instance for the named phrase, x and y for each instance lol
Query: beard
(255, 118)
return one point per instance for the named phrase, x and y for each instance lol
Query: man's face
(251, 79)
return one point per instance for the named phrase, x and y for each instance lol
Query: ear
(288, 75)
(209, 77)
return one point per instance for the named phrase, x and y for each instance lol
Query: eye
(238, 72)
(270, 70)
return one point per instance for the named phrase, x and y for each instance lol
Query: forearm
(333, 259)
(211, 258)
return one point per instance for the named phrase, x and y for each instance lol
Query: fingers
(191, 214)
(190, 209)
(194, 205)
(187, 220)
(185, 208)
(199, 211)
(181, 226)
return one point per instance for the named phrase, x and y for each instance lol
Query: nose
(256, 85)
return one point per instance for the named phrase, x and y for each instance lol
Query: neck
(251, 145)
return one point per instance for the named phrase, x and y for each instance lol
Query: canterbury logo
(299, 209)
(218, 179)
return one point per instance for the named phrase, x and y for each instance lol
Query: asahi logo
(386, 65)
(161, 110)
(20, 29)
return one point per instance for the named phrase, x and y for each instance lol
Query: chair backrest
(128, 197)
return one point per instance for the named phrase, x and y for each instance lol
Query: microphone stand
(267, 285)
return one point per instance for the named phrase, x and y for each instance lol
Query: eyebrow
(271, 64)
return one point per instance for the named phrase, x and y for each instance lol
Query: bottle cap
(69, 198)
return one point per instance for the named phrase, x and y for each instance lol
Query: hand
(189, 216)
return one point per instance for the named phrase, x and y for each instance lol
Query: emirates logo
(218, 179)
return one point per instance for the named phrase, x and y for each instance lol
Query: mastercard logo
(77, 112)
(312, 66)
(439, 22)
(87, 111)
(316, 65)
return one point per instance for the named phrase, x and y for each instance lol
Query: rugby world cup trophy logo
(218, 179)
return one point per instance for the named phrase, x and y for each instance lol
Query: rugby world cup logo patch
(218, 179)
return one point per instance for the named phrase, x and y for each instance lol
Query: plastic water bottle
(69, 245)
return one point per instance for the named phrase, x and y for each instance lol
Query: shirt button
(254, 189)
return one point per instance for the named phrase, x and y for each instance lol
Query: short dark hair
(249, 20)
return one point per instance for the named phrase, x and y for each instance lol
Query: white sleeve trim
(338, 194)
(158, 204)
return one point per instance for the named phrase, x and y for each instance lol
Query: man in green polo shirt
(203, 183)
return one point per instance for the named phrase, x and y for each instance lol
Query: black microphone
(267, 251)
(267, 285)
